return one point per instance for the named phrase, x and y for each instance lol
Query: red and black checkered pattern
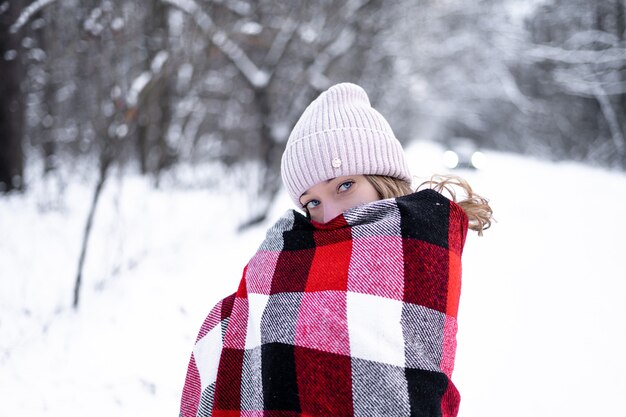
(356, 317)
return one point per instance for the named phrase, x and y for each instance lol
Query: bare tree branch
(27, 13)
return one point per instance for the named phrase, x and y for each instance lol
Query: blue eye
(345, 186)
(311, 204)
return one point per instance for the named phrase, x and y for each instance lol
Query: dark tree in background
(154, 115)
(11, 100)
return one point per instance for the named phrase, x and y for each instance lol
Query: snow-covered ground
(541, 322)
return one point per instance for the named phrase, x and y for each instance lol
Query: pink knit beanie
(340, 134)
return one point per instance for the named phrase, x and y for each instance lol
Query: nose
(331, 210)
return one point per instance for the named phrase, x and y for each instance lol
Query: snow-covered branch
(137, 86)
(193, 9)
(341, 44)
(253, 74)
(140, 85)
(28, 12)
(238, 7)
(511, 88)
(588, 37)
(317, 70)
(614, 56)
(353, 6)
(281, 41)
(588, 84)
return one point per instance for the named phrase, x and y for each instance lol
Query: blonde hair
(477, 208)
(389, 187)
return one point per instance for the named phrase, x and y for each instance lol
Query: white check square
(375, 328)
(204, 352)
(256, 307)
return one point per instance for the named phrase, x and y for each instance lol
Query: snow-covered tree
(456, 64)
(578, 54)
(254, 66)
(186, 80)
(541, 77)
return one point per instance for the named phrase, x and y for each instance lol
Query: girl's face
(328, 199)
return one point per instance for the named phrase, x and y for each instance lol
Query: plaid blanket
(356, 317)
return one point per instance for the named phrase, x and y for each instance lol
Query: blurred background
(152, 85)
(140, 147)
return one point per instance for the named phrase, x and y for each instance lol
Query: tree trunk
(271, 150)
(269, 155)
(620, 16)
(47, 39)
(154, 107)
(11, 103)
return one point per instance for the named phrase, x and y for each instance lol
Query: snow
(192, 8)
(541, 320)
(27, 13)
(117, 24)
(156, 66)
(137, 87)
(10, 55)
(521, 9)
(251, 28)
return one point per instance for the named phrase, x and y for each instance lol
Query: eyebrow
(327, 181)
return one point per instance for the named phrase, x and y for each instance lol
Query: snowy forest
(140, 146)
(150, 85)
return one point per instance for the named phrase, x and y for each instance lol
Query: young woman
(350, 309)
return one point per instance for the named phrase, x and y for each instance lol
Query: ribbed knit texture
(340, 134)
